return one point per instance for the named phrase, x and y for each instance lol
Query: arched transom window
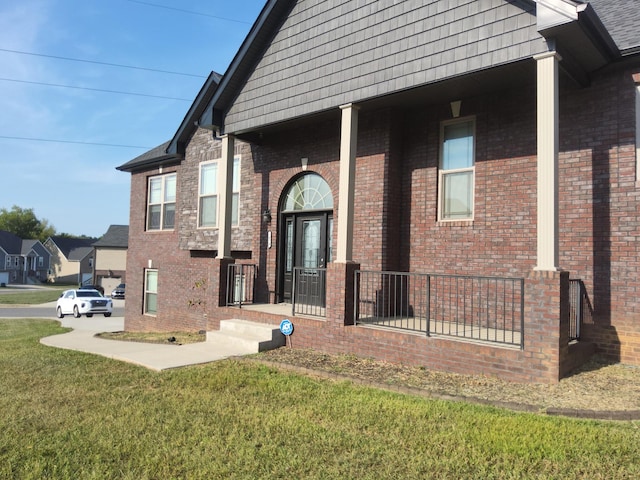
(309, 192)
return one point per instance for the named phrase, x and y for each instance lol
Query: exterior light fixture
(266, 216)
(455, 108)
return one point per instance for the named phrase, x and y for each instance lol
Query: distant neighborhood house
(22, 261)
(110, 257)
(71, 259)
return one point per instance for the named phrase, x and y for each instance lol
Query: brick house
(452, 184)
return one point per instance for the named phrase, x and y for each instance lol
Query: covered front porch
(379, 313)
(514, 328)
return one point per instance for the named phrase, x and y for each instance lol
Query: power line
(57, 57)
(93, 89)
(72, 141)
(190, 12)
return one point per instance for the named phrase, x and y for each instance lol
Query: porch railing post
(428, 301)
(579, 308)
(241, 286)
(293, 292)
(356, 296)
(522, 314)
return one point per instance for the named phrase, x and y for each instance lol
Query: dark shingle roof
(190, 121)
(27, 246)
(10, 243)
(622, 20)
(74, 248)
(171, 152)
(117, 236)
(153, 157)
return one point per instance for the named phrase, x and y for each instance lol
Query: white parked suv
(83, 302)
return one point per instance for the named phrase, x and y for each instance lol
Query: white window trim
(442, 173)
(162, 202)
(200, 196)
(146, 292)
(236, 158)
(235, 193)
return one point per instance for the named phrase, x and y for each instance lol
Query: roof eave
(577, 28)
(255, 43)
(191, 120)
(162, 161)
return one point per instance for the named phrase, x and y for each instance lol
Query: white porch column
(548, 147)
(225, 196)
(348, 146)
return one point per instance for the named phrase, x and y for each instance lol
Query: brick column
(546, 325)
(340, 289)
(219, 279)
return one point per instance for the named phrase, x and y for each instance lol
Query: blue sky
(75, 186)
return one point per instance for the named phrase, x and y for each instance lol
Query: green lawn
(69, 415)
(17, 296)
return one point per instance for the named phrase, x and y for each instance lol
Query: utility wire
(57, 57)
(190, 12)
(93, 89)
(72, 141)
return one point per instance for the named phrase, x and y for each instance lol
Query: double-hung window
(208, 194)
(151, 291)
(161, 205)
(235, 201)
(457, 170)
(208, 204)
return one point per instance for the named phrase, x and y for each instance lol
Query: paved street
(47, 310)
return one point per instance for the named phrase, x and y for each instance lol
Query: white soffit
(552, 13)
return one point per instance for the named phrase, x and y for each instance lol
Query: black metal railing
(241, 280)
(578, 307)
(309, 291)
(487, 309)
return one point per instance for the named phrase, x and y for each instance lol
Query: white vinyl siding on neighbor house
(208, 194)
(456, 177)
(161, 202)
(151, 292)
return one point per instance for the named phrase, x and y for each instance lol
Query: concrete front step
(247, 337)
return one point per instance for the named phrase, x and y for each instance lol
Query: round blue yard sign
(286, 327)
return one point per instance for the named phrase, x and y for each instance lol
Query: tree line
(23, 223)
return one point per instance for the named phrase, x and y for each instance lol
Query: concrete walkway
(153, 356)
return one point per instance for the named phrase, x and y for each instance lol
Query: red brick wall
(185, 256)
(396, 225)
(599, 201)
(541, 361)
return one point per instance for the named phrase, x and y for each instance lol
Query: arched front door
(305, 241)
